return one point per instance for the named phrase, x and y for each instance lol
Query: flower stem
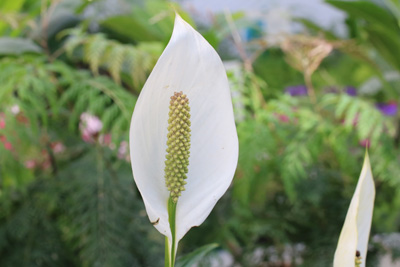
(166, 264)
(171, 218)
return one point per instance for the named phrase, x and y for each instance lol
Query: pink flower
(365, 143)
(355, 120)
(282, 117)
(90, 126)
(57, 147)
(122, 150)
(91, 123)
(105, 139)
(87, 137)
(8, 145)
(2, 121)
(30, 164)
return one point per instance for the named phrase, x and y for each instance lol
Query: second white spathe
(357, 225)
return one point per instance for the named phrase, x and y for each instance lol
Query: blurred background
(314, 83)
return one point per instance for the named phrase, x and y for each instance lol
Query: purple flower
(388, 109)
(350, 90)
(296, 90)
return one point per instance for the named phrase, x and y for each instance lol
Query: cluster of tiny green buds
(358, 259)
(178, 143)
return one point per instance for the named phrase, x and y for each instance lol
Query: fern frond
(30, 85)
(358, 114)
(98, 221)
(94, 51)
(117, 59)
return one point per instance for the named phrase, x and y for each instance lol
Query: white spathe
(188, 64)
(356, 228)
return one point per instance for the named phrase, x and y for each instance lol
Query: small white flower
(15, 109)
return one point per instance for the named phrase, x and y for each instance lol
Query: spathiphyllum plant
(183, 140)
(353, 241)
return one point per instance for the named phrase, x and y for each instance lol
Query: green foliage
(17, 46)
(272, 67)
(98, 96)
(299, 160)
(7, 8)
(296, 156)
(394, 7)
(196, 256)
(41, 89)
(86, 215)
(382, 29)
(134, 62)
(152, 22)
(28, 234)
(28, 83)
(106, 228)
(359, 115)
(369, 11)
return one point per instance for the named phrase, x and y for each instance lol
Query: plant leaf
(196, 256)
(17, 46)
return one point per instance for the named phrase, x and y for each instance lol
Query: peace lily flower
(353, 241)
(183, 140)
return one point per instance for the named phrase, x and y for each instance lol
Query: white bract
(355, 233)
(189, 65)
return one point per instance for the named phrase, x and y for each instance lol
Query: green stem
(171, 218)
(166, 264)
